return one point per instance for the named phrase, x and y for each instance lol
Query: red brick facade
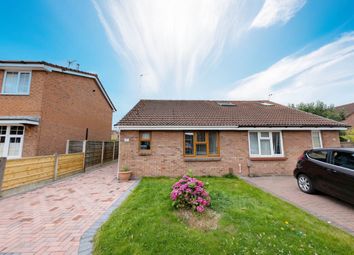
(166, 157)
(66, 104)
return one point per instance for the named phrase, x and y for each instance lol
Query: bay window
(16, 83)
(11, 141)
(265, 144)
(201, 144)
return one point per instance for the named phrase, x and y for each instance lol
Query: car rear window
(343, 159)
(318, 155)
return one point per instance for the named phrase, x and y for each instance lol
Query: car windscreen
(318, 155)
(343, 159)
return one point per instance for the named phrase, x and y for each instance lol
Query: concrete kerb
(86, 240)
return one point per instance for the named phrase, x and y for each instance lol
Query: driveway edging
(86, 240)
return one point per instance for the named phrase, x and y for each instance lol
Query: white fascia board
(236, 128)
(25, 67)
(20, 122)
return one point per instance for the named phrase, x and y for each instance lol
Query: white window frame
(320, 135)
(7, 141)
(18, 80)
(271, 143)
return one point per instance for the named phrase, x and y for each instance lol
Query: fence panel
(75, 146)
(116, 149)
(70, 163)
(19, 172)
(93, 153)
(108, 151)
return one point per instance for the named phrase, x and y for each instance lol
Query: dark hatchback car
(330, 171)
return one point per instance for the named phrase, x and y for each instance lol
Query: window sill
(8, 94)
(197, 159)
(145, 153)
(268, 158)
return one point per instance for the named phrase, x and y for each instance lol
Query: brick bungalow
(42, 105)
(168, 137)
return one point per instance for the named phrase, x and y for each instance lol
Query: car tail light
(302, 157)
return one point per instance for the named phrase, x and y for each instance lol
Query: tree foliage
(321, 109)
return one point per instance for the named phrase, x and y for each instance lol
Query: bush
(190, 193)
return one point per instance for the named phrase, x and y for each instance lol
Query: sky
(288, 51)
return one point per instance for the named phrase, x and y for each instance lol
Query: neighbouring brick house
(167, 137)
(349, 113)
(43, 105)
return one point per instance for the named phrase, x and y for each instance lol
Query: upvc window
(316, 139)
(16, 83)
(11, 141)
(145, 141)
(201, 144)
(266, 144)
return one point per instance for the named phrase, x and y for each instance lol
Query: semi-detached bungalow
(169, 137)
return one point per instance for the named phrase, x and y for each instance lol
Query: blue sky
(296, 50)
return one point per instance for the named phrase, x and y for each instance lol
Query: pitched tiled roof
(196, 113)
(347, 108)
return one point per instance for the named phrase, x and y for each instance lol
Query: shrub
(190, 193)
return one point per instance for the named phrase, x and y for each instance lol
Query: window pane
(344, 159)
(276, 143)
(145, 136)
(144, 145)
(201, 149)
(14, 146)
(200, 136)
(264, 134)
(188, 144)
(2, 144)
(23, 86)
(3, 130)
(254, 143)
(16, 130)
(318, 155)
(316, 140)
(265, 147)
(213, 142)
(10, 85)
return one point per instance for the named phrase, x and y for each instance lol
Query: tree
(321, 109)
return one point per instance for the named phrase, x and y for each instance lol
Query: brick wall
(166, 158)
(66, 104)
(70, 105)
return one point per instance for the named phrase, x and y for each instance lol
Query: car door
(316, 168)
(341, 175)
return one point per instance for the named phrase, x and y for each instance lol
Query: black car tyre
(305, 184)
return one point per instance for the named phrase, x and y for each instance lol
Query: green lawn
(251, 222)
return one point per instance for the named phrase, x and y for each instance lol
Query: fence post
(114, 147)
(67, 146)
(102, 154)
(56, 163)
(2, 171)
(84, 151)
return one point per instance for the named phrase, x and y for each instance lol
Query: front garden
(241, 219)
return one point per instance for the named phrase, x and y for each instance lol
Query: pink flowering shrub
(189, 192)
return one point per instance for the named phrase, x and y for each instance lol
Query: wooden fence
(96, 152)
(16, 173)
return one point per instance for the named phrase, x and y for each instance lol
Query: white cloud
(171, 41)
(277, 11)
(323, 74)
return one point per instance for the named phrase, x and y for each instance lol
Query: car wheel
(305, 184)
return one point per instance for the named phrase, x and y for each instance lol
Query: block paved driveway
(324, 207)
(52, 219)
